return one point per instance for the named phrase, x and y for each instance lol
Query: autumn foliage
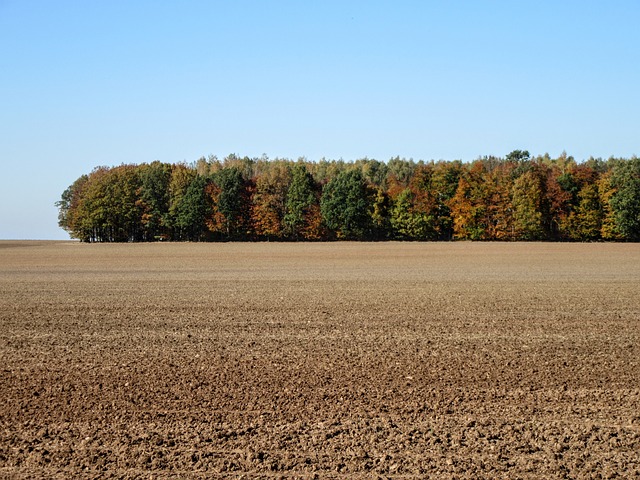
(504, 199)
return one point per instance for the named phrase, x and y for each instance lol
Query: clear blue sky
(88, 83)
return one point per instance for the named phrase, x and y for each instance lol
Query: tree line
(516, 197)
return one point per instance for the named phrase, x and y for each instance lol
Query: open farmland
(327, 360)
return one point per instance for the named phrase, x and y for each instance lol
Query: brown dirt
(341, 360)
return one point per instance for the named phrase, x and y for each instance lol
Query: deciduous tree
(625, 201)
(345, 206)
(268, 203)
(527, 201)
(301, 215)
(230, 205)
(153, 200)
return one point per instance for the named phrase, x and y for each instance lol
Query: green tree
(153, 200)
(625, 201)
(413, 216)
(345, 206)
(401, 170)
(409, 221)
(301, 197)
(181, 178)
(561, 197)
(230, 207)
(193, 210)
(374, 171)
(444, 183)
(518, 156)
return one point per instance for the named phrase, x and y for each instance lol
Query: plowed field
(339, 360)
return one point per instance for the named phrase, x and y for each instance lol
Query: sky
(87, 83)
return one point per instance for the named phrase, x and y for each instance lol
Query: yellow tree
(527, 201)
(585, 221)
(608, 228)
(268, 202)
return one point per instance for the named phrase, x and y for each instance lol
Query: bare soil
(339, 360)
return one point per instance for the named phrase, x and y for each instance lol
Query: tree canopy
(518, 197)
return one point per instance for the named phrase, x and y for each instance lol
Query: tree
(155, 179)
(401, 170)
(345, 206)
(518, 156)
(107, 210)
(469, 205)
(300, 213)
(527, 200)
(609, 229)
(498, 186)
(193, 210)
(561, 193)
(444, 183)
(401, 219)
(69, 215)
(90, 217)
(413, 216)
(585, 222)
(229, 203)
(125, 200)
(517, 197)
(380, 215)
(181, 178)
(409, 221)
(625, 201)
(268, 203)
(482, 207)
(373, 171)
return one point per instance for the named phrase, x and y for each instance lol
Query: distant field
(339, 360)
